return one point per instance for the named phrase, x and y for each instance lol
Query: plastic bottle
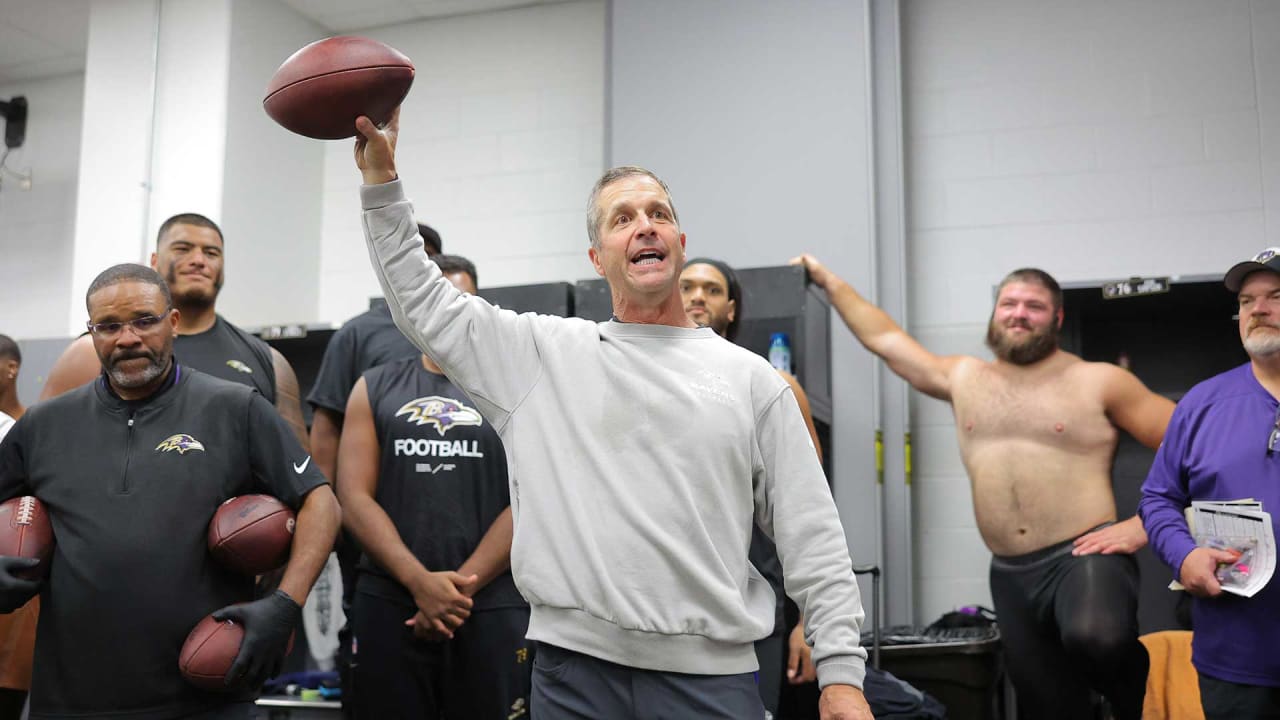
(780, 351)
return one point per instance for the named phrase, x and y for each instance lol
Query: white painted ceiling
(42, 38)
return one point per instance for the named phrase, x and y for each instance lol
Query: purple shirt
(1216, 449)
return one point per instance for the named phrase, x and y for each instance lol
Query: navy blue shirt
(1216, 449)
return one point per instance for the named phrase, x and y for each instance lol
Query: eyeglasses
(141, 325)
(1275, 434)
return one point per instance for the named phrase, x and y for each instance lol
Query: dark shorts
(1069, 626)
(483, 673)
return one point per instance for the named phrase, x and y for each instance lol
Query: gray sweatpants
(570, 685)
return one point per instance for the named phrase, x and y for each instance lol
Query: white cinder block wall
(1095, 140)
(501, 140)
(37, 226)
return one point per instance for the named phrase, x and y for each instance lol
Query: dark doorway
(1171, 341)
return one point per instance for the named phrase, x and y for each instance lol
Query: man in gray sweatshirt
(640, 451)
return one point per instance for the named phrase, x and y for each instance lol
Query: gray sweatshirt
(639, 456)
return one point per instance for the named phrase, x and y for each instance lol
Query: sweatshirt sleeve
(490, 353)
(1165, 494)
(795, 508)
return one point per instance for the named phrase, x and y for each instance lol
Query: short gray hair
(609, 177)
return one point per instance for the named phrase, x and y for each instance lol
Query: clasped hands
(444, 603)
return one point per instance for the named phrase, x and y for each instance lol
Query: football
(209, 651)
(25, 531)
(320, 90)
(251, 534)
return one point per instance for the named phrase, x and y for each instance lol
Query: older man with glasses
(1221, 446)
(131, 467)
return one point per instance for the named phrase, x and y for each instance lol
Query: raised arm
(77, 365)
(288, 398)
(439, 595)
(490, 353)
(926, 372)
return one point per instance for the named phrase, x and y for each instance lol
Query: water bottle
(780, 351)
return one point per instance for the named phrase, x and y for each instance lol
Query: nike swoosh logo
(299, 468)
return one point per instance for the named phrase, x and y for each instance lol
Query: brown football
(25, 531)
(210, 650)
(320, 90)
(251, 534)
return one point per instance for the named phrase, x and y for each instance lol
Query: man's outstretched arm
(926, 372)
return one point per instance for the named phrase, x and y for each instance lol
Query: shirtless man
(189, 256)
(1037, 435)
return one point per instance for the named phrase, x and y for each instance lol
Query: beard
(156, 365)
(1037, 346)
(193, 297)
(709, 319)
(1262, 344)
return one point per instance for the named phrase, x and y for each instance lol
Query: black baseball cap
(1268, 259)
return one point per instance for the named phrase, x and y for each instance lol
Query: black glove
(15, 591)
(268, 625)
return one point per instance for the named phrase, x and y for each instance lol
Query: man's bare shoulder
(967, 369)
(1101, 374)
(77, 365)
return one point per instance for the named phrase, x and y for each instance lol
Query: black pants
(1069, 624)
(1223, 700)
(572, 686)
(483, 673)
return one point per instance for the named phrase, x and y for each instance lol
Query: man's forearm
(326, 431)
(492, 556)
(377, 535)
(317, 526)
(867, 321)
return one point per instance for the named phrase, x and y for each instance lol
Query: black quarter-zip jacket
(130, 488)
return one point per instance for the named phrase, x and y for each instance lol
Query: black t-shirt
(442, 477)
(366, 341)
(130, 488)
(225, 351)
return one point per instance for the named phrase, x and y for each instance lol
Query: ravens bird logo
(444, 413)
(180, 442)
(239, 366)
